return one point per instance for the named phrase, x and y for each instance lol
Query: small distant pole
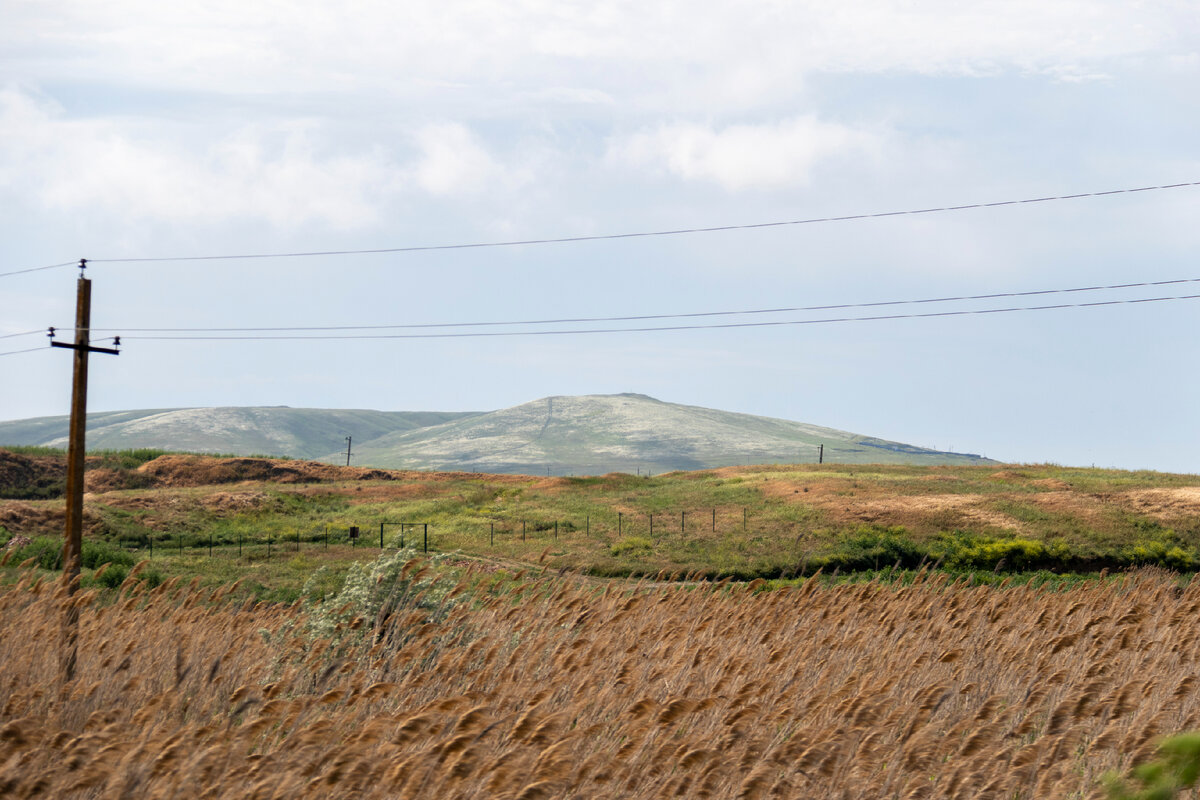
(381, 536)
(619, 515)
(493, 534)
(426, 537)
(820, 454)
(714, 520)
(522, 530)
(682, 521)
(348, 438)
(587, 525)
(556, 530)
(743, 519)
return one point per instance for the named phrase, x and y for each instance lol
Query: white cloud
(720, 53)
(452, 160)
(740, 157)
(285, 173)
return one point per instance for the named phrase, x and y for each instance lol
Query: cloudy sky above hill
(136, 130)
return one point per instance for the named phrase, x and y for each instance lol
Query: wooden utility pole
(348, 438)
(73, 535)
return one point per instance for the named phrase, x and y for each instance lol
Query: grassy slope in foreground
(769, 521)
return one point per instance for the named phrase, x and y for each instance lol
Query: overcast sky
(136, 129)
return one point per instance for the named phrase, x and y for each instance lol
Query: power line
(38, 269)
(22, 333)
(711, 326)
(643, 234)
(634, 318)
(17, 352)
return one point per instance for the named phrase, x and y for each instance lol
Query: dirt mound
(23, 476)
(172, 470)
(37, 520)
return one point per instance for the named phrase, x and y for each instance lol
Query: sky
(149, 130)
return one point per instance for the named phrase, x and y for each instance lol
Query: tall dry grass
(560, 688)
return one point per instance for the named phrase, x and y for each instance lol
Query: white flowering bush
(374, 591)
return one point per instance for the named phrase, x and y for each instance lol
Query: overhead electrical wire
(38, 269)
(612, 236)
(17, 352)
(709, 326)
(642, 317)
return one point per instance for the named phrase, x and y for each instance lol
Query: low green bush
(631, 544)
(1176, 769)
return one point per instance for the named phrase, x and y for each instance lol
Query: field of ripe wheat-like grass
(553, 687)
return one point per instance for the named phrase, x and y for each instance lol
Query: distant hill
(276, 430)
(591, 434)
(595, 434)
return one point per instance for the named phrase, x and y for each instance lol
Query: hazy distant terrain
(595, 434)
(592, 434)
(275, 430)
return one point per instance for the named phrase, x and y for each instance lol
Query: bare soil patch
(1166, 503)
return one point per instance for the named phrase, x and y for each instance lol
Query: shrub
(1176, 768)
(631, 544)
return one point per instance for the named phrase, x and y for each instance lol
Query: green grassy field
(773, 522)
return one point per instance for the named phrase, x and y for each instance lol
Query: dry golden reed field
(556, 687)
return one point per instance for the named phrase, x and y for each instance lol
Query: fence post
(619, 515)
(682, 521)
(426, 537)
(714, 520)
(743, 519)
(210, 538)
(381, 536)
(556, 530)
(151, 545)
(587, 525)
(492, 534)
(651, 526)
(522, 530)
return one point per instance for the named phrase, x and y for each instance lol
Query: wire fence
(497, 533)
